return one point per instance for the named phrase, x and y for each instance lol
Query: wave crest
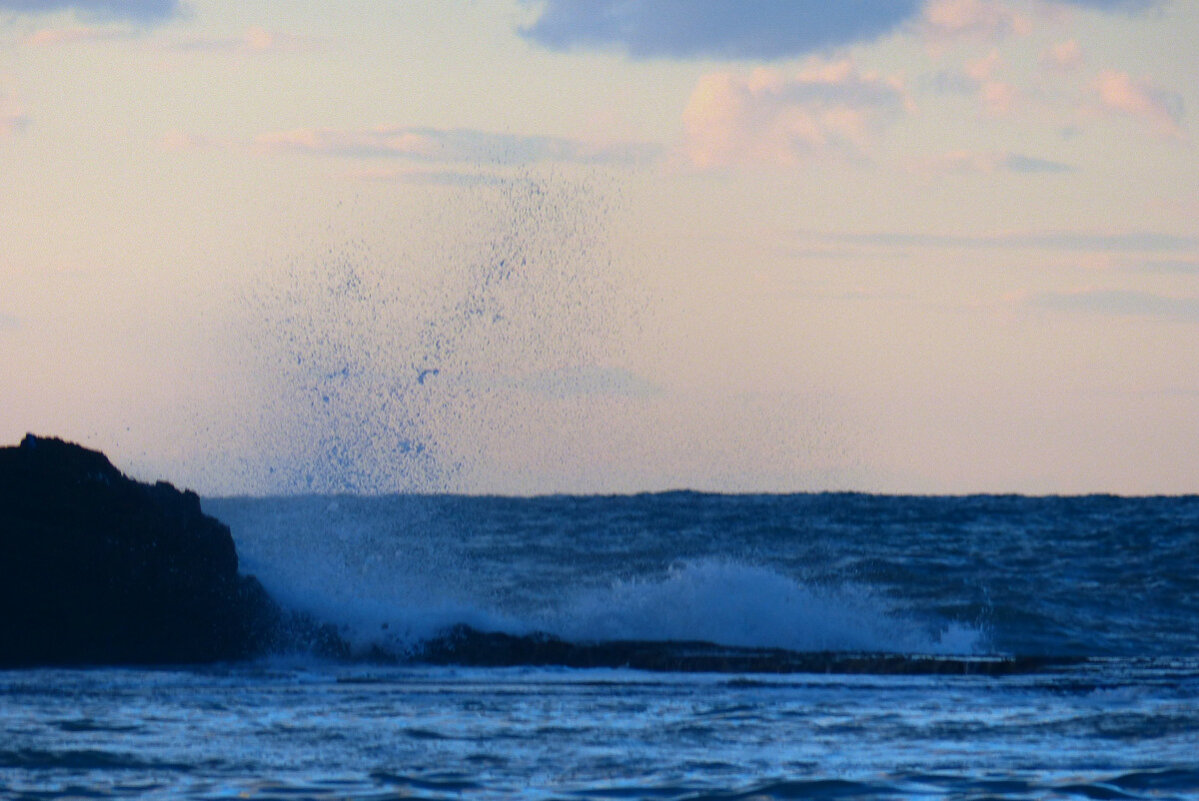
(737, 604)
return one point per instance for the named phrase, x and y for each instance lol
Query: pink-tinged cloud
(1063, 56)
(258, 39)
(80, 34)
(1118, 92)
(776, 119)
(984, 69)
(999, 98)
(253, 40)
(990, 19)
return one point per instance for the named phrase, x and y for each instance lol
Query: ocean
(1102, 593)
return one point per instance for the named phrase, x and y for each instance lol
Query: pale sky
(598, 246)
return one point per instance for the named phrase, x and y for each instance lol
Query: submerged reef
(96, 568)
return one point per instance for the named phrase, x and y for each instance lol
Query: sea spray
(430, 353)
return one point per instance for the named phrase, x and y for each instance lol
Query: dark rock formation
(96, 568)
(463, 645)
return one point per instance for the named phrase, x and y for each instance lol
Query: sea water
(1107, 588)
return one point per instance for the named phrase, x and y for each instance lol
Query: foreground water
(1111, 583)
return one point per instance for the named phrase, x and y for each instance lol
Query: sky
(518, 246)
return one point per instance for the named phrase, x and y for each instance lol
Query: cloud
(774, 29)
(49, 37)
(1123, 303)
(1134, 242)
(773, 118)
(1063, 56)
(1030, 164)
(138, 10)
(979, 78)
(177, 140)
(999, 98)
(1110, 93)
(252, 40)
(1127, 6)
(943, 19)
(1165, 266)
(452, 145)
(1118, 92)
(12, 117)
(727, 29)
(967, 161)
(427, 177)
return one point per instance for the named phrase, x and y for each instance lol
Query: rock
(96, 568)
(463, 645)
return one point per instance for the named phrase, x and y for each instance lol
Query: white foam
(377, 570)
(737, 604)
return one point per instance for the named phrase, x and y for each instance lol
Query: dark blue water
(1113, 580)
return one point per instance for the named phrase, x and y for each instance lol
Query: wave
(395, 581)
(724, 603)
(737, 604)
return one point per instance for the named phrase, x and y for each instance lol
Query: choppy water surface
(1113, 581)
